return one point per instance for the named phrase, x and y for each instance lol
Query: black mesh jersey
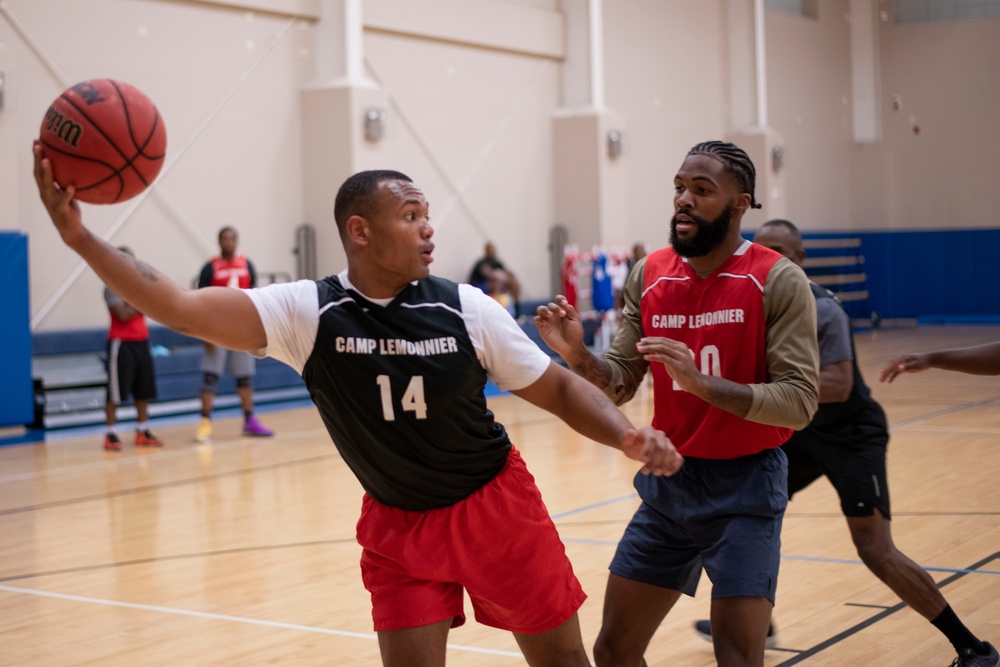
(400, 390)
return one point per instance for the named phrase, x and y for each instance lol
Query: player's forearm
(617, 378)
(591, 414)
(836, 382)
(979, 360)
(591, 368)
(727, 395)
(144, 288)
(581, 405)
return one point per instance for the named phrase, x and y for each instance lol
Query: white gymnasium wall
(944, 75)
(665, 75)
(226, 81)
(944, 175)
(472, 88)
(810, 105)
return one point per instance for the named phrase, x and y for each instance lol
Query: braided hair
(735, 162)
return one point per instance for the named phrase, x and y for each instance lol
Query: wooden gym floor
(242, 552)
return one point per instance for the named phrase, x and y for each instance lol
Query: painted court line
(235, 619)
(187, 450)
(889, 611)
(845, 561)
(562, 515)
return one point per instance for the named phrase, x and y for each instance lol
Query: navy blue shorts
(724, 515)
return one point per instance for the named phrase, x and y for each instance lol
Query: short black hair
(735, 162)
(787, 224)
(225, 229)
(358, 195)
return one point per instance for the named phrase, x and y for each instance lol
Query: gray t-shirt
(834, 332)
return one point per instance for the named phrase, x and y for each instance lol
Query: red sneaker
(112, 443)
(147, 439)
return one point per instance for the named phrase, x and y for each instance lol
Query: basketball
(106, 139)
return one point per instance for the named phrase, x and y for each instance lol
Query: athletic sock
(247, 415)
(956, 632)
(142, 426)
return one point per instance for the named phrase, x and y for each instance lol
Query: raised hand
(59, 203)
(676, 356)
(560, 327)
(911, 363)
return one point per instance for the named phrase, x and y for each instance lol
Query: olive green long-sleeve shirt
(790, 396)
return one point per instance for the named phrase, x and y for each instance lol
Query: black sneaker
(969, 658)
(704, 630)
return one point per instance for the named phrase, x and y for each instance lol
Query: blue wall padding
(940, 276)
(17, 403)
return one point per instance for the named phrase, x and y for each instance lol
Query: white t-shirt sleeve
(511, 359)
(290, 313)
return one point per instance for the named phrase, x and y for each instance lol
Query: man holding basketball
(728, 330)
(396, 361)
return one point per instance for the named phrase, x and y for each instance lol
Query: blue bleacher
(837, 262)
(69, 369)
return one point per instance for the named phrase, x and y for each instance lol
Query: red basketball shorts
(499, 544)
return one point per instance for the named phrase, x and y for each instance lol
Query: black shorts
(130, 371)
(852, 456)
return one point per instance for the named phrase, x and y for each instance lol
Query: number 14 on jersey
(413, 398)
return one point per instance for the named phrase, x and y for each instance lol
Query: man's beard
(708, 237)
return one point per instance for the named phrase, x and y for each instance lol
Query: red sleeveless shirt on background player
(721, 319)
(131, 329)
(233, 272)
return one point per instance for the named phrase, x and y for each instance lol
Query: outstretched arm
(979, 360)
(220, 315)
(589, 412)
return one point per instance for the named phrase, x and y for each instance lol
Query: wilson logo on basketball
(89, 93)
(64, 128)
